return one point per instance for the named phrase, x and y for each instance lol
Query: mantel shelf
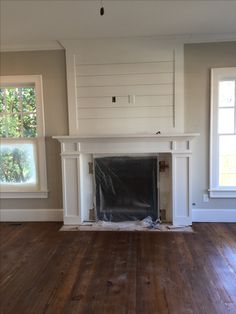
(167, 136)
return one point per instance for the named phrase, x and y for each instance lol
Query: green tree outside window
(17, 120)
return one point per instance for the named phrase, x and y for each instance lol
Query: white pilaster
(71, 189)
(181, 187)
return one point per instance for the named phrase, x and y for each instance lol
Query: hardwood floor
(46, 271)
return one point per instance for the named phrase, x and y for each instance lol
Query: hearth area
(81, 195)
(126, 188)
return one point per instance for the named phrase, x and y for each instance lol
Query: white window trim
(41, 190)
(215, 190)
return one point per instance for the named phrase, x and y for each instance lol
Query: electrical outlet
(205, 198)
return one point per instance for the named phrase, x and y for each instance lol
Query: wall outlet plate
(205, 197)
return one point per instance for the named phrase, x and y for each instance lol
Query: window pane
(227, 160)
(10, 126)
(29, 125)
(18, 110)
(226, 120)
(28, 99)
(17, 164)
(226, 93)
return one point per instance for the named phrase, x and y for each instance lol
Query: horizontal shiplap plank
(130, 79)
(124, 113)
(125, 126)
(140, 101)
(163, 89)
(125, 68)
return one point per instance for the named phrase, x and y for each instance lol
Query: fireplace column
(181, 197)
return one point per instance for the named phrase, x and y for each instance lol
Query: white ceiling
(52, 20)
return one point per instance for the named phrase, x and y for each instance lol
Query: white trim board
(7, 215)
(214, 215)
(7, 46)
(199, 215)
(29, 45)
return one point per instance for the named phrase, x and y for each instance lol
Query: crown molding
(181, 39)
(61, 44)
(8, 46)
(209, 38)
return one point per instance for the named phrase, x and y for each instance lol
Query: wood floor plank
(44, 270)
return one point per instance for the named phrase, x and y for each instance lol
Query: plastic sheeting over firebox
(126, 188)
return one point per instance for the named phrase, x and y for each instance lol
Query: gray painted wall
(51, 65)
(199, 59)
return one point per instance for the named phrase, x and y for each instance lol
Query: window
(223, 133)
(22, 150)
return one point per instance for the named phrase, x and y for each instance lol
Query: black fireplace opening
(126, 188)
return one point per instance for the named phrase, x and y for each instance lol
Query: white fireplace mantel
(78, 151)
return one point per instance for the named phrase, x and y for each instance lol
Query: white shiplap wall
(140, 74)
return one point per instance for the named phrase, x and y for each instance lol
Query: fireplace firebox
(126, 187)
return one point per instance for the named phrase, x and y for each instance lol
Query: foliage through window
(17, 164)
(22, 150)
(18, 112)
(17, 119)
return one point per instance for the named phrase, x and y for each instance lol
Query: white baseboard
(7, 215)
(198, 215)
(214, 215)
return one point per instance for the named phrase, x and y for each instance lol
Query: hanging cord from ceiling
(102, 10)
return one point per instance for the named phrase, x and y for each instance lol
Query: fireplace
(126, 187)
(79, 152)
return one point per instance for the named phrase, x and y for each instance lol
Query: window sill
(219, 193)
(37, 194)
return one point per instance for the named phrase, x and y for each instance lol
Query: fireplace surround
(77, 153)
